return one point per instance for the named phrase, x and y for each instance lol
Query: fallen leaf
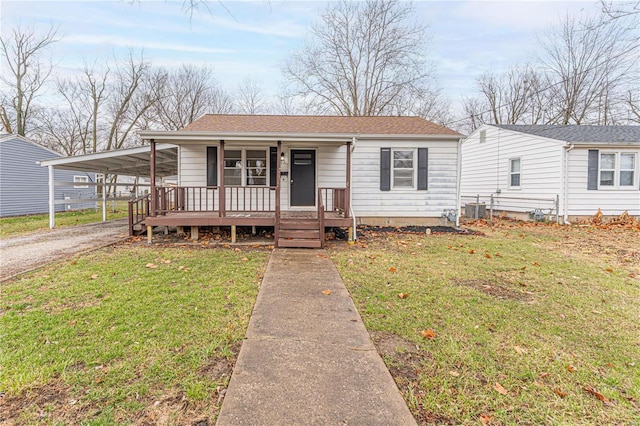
(520, 350)
(403, 295)
(326, 292)
(523, 268)
(597, 394)
(428, 334)
(245, 259)
(392, 269)
(609, 270)
(499, 388)
(454, 373)
(560, 393)
(536, 264)
(485, 419)
(571, 368)
(543, 375)
(471, 251)
(151, 265)
(94, 276)
(167, 261)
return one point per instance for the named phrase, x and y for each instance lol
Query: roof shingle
(580, 133)
(317, 124)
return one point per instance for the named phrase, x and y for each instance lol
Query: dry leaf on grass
(403, 295)
(571, 368)
(499, 388)
(151, 266)
(485, 419)
(609, 270)
(520, 350)
(166, 261)
(454, 373)
(326, 292)
(560, 393)
(392, 269)
(487, 255)
(94, 276)
(597, 394)
(428, 334)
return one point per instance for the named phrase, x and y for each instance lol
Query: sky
(252, 39)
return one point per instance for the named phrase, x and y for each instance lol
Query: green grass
(103, 339)
(17, 225)
(514, 308)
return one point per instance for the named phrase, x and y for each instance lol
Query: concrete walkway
(307, 357)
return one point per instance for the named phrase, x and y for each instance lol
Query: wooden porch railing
(335, 200)
(139, 209)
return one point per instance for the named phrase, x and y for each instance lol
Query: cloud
(118, 41)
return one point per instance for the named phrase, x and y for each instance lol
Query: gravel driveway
(27, 252)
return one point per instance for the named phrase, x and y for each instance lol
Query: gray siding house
(24, 185)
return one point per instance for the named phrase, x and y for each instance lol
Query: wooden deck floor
(331, 219)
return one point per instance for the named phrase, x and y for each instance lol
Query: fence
(478, 206)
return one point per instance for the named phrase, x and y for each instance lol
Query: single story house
(300, 174)
(23, 183)
(585, 167)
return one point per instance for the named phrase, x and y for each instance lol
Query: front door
(303, 177)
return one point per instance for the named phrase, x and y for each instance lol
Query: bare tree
(365, 58)
(588, 65)
(186, 94)
(27, 74)
(250, 99)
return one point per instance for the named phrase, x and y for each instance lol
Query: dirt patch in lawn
(496, 290)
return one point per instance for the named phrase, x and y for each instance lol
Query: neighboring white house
(23, 183)
(586, 167)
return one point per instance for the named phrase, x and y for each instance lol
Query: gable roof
(15, 137)
(230, 123)
(580, 133)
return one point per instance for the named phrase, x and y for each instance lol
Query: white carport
(127, 162)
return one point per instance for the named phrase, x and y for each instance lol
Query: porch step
(302, 233)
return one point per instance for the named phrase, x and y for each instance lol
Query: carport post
(52, 197)
(104, 197)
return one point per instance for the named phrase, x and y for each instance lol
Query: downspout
(565, 189)
(355, 229)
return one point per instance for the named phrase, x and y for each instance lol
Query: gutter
(565, 190)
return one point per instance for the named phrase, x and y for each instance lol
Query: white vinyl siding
(369, 201)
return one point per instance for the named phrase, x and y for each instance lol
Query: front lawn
(520, 325)
(125, 335)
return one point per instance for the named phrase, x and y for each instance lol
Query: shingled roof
(580, 133)
(317, 124)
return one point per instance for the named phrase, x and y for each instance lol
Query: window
(617, 169)
(514, 172)
(245, 167)
(79, 180)
(403, 169)
(627, 169)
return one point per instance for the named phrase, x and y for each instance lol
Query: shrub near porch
(521, 325)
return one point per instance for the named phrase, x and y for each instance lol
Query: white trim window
(617, 169)
(245, 167)
(514, 172)
(403, 168)
(79, 180)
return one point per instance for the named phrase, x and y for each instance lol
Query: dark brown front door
(303, 177)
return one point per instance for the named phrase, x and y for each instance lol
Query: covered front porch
(298, 220)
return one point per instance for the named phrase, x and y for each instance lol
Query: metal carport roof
(130, 162)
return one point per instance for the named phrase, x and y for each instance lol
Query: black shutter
(592, 175)
(212, 166)
(423, 166)
(273, 165)
(385, 169)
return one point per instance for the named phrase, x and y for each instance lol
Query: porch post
(221, 191)
(52, 198)
(152, 180)
(347, 207)
(276, 229)
(104, 197)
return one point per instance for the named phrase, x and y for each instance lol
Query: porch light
(283, 159)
